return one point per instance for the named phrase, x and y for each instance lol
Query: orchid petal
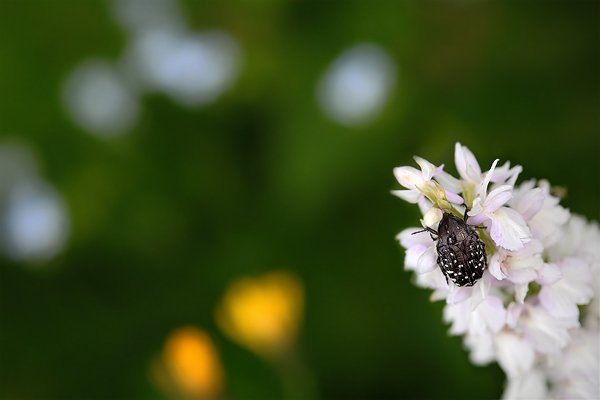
(547, 223)
(502, 173)
(486, 283)
(530, 257)
(413, 259)
(531, 385)
(477, 213)
(521, 276)
(459, 315)
(548, 334)
(408, 177)
(548, 274)
(434, 280)
(495, 266)
(427, 261)
(529, 203)
(424, 205)
(432, 217)
(506, 174)
(493, 312)
(478, 219)
(453, 197)
(575, 288)
(458, 294)
(515, 354)
(486, 180)
(508, 229)
(513, 313)
(558, 303)
(407, 238)
(428, 170)
(466, 164)
(521, 291)
(448, 182)
(482, 348)
(411, 196)
(481, 290)
(497, 198)
(515, 172)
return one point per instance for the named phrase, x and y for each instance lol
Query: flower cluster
(535, 311)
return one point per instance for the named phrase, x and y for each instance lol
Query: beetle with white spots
(461, 254)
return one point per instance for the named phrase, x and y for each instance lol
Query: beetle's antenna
(427, 229)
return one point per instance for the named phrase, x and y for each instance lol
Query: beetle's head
(452, 227)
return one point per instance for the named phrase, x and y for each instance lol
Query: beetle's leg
(428, 229)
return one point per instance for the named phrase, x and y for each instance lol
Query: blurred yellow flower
(263, 313)
(192, 364)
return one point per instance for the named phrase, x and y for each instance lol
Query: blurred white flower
(580, 239)
(191, 68)
(543, 268)
(137, 16)
(36, 222)
(576, 373)
(33, 219)
(481, 347)
(357, 84)
(99, 99)
(162, 55)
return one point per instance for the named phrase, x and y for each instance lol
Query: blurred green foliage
(164, 217)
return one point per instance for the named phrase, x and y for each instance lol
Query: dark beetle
(461, 254)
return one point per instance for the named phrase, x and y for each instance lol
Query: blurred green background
(163, 217)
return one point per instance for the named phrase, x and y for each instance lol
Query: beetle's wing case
(461, 254)
(477, 260)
